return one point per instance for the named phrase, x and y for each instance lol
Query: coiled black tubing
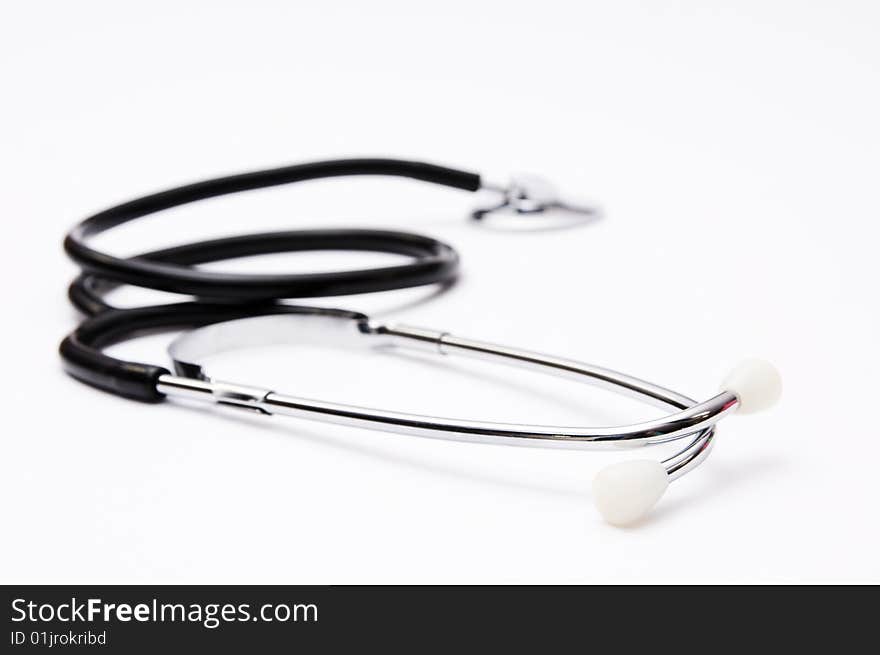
(227, 296)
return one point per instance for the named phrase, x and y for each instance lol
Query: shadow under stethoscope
(720, 480)
(545, 221)
(379, 447)
(359, 447)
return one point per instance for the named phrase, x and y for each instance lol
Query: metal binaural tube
(692, 419)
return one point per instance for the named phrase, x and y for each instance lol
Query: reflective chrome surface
(691, 420)
(531, 194)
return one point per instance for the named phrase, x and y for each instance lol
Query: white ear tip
(624, 492)
(756, 383)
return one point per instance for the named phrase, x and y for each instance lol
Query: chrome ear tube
(623, 492)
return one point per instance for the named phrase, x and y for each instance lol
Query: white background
(733, 146)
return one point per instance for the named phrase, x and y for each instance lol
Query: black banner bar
(135, 619)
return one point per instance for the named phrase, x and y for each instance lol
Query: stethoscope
(239, 310)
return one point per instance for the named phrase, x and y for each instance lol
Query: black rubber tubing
(224, 296)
